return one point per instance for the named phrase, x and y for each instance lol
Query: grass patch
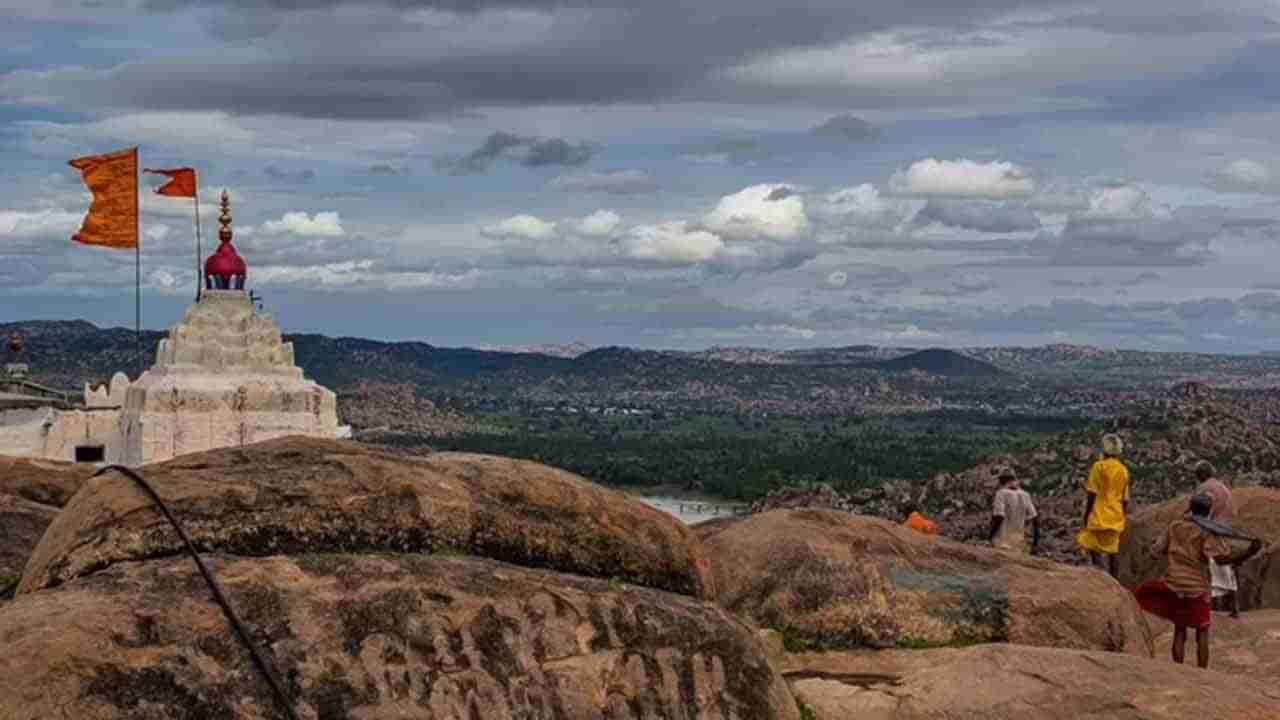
(793, 641)
(806, 712)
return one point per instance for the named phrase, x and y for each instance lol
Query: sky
(668, 174)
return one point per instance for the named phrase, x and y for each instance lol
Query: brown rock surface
(1257, 513)
(834, 580)
(1015, 682)
(44, 481)
(366, 637)
(1248, 646)
(308, 495)
(22, 522)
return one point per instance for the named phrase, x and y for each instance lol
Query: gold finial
(224, 219)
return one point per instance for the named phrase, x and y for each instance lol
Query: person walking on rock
(1182, 595)
(1010, 513)
(1106, 506)
(1222, 577)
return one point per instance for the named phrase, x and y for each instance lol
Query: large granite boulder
(829, 579)
(1016, 682)
(1245, 646)
(311, 495)
(44, 481)
(22, 522)
(378, 636)
(1257, 513)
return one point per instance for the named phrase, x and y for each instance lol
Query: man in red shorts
(1182, 595)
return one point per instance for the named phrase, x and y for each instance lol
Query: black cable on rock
(258, 661)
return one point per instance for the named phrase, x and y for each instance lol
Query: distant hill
(938, 361)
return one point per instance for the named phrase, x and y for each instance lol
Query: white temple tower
(223, 377)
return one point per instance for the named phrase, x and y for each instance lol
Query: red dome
(226, 261)
(225, 269)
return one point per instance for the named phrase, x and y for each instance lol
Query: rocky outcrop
(1012, 682)
(44, 481)
(310, 495)
(22, 522)
(378, 636)
(829, 579)
(1257, 513)
(1248, 646)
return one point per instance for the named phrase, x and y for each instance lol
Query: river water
(691, 511)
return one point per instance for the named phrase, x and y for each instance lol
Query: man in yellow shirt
(1106, 506)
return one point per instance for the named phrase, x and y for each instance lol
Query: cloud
(525, 227)
(712, 158)
(528, 151)
(386, 169)
(1059, 200)
(670, 243)
(600, 223)
(835, 280)
(963, 179)
(861, 206)
(556, 151)
(364, 274)
(1091, 284)
(409, 59)
(1245, 176)
(322, 224)
(173, 129)
(847, 127)
(965, 285)
(771, 211)
(979, 216)
(620, 182)
(1119, 201)
(1182, 238)
(41, 223)
(289, 176)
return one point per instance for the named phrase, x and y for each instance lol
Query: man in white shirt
(1010, 514)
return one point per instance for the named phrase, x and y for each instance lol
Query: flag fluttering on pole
(112, 220)
(182, 182)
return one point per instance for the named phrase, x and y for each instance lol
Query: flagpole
(199, 280)
(137, 264)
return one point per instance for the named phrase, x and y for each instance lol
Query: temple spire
(225, 269)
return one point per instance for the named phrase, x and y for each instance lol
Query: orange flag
(113, 216)
(182, 182)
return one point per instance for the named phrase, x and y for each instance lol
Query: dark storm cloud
(555, 152)
(979, 216)
(847, 127)
(1240, 80)
(320, 58)
(528, 151)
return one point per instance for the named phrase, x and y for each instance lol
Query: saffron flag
(112, 220)
(182, 182)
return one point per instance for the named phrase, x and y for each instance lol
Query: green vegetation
(795, 642)
(806, 712)
(742, 457)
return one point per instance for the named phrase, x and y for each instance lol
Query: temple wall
(223, 377)
(85, 428)
(22, 431)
